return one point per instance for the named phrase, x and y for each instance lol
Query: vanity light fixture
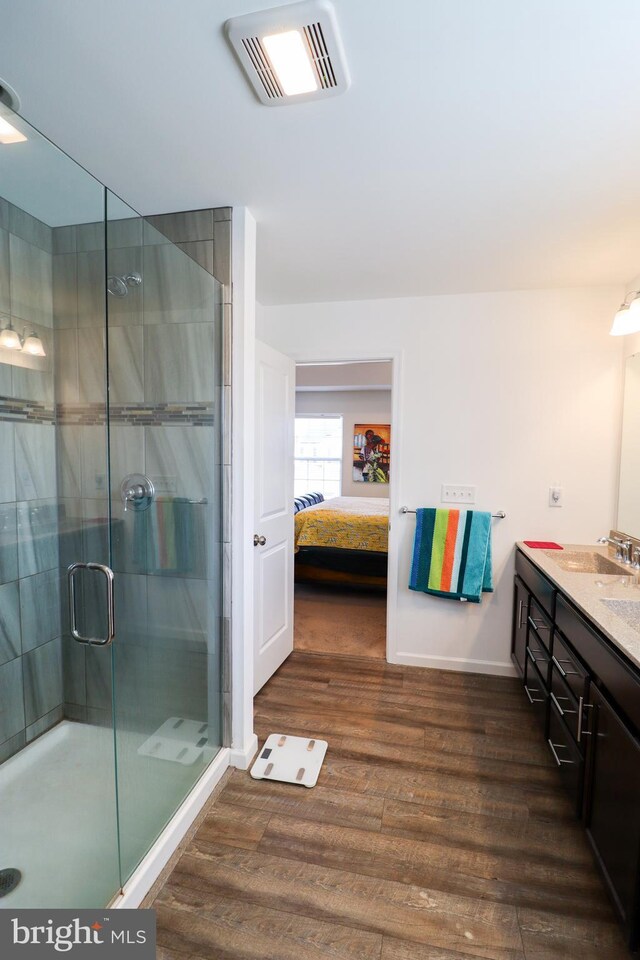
(627, 319)
(33, 345)
(10, 339)
(291, 53)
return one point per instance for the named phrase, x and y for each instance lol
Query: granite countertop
(587, 590)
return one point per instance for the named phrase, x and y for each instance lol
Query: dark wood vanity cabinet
(612, 807)
(586, 696)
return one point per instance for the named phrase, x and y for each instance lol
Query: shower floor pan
(53, 796)
(58, 813)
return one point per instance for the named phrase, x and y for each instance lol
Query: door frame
(395, 358)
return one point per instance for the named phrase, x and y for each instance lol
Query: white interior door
(273, 511)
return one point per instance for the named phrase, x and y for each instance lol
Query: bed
(342, 541)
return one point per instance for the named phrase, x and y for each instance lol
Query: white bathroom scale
(290, 760)
(179, 741)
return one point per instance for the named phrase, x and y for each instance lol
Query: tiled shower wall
(52, 441)
(30, 629)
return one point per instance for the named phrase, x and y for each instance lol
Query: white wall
(365, 376)
(509, 391)
(354, 406)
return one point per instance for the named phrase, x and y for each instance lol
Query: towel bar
(500, 515)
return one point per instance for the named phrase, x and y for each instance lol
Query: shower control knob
(137, 491)
(259, 541)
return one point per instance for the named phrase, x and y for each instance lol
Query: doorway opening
(343, 468)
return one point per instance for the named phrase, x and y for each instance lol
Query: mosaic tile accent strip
(17, 410)
(138, 414)
(26, 411)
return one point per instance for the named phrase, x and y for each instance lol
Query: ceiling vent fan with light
(291, 53)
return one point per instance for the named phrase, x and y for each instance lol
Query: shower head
(119, 286)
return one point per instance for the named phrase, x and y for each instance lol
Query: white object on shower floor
(290, 760)
(178, 740)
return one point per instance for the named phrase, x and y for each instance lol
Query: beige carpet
(334, 620)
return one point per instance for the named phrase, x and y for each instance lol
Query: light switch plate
(165, 485)
(555, 496)
(455, 493)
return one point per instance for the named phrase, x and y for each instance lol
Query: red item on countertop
(543, 544)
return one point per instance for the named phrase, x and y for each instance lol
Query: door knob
(259, 540)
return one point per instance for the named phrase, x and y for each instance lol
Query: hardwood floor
(438, 831)
(340, 620)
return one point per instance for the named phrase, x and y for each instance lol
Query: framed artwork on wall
(371, 452)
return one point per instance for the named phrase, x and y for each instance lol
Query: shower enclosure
(110, 539)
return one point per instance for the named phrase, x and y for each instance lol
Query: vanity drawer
(567, 706)
(536, 692)
(604, 661)
(542, 589)
(569, 667)
(538, 655)
(567, 757)
(540, 627)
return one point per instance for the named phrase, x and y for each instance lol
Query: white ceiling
(483, 145)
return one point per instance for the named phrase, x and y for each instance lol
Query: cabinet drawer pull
(520, 611)
(580, 712)
(563, 672)
(582, 706)
(538, 624)
(560, 746)
(563, 711)
(531, 651)
(533, 699)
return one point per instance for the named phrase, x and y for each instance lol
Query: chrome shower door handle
(111, 615)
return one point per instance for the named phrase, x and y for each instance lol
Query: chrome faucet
(623, 547)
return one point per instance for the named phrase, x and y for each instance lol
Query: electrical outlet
(454, 493)
(555, 496)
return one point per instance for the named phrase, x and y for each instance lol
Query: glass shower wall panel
(58, 823)
(165, 388)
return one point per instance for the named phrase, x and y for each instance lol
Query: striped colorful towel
(452, 554)
(169, 538)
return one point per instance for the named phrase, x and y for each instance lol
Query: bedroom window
(318, 456)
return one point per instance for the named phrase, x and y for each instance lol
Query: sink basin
(582, 561)
(627, 610)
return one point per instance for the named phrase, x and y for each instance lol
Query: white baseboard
(145, 875)
(242, 758)
(493, 667)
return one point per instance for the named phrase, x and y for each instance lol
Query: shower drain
(9, 880)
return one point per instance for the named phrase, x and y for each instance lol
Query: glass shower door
(164, 372)
(89, 823)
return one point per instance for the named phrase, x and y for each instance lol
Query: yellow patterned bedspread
(346, 523)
